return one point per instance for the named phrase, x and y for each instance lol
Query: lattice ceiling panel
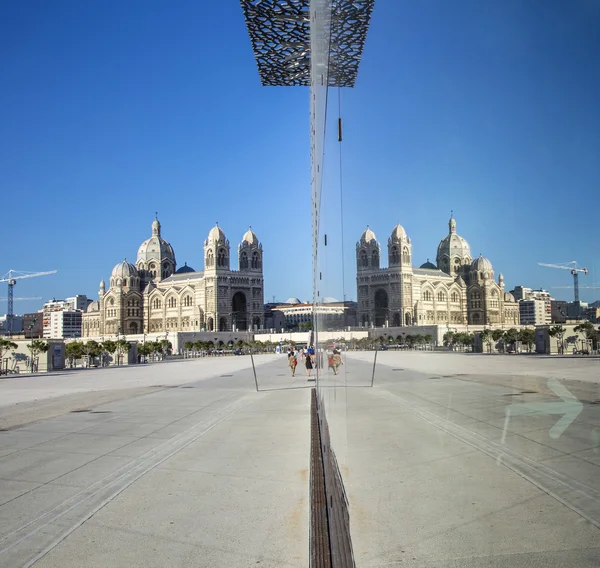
(280, 35)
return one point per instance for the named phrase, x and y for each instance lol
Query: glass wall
(464, 435)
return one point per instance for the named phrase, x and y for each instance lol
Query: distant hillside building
(456, 290)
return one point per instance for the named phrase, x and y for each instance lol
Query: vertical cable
(341, 191)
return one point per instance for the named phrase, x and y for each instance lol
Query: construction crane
(575, 270)
(20, 299)
(580, 287)
(11, 278)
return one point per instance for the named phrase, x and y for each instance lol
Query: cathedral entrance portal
(239, 314)
(381, 307)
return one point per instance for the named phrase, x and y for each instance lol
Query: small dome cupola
(481, 268)
(216, 249)
(368, 236)
(398, 233)
(216, 235)
(250, 252)
(185, 269)
(124, 275)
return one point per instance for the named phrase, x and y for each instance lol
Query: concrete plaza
(185, 464)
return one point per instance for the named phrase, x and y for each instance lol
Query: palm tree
(558, 331)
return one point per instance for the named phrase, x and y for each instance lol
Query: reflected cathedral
(456, 290)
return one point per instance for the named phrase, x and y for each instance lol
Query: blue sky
(111, 111)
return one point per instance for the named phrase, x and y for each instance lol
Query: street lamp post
(31, 326)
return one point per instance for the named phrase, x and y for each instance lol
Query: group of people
(308, 356)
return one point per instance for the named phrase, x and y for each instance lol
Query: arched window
(172, 302)
(441, 297)
(427, 296)
(395, 256)
(156, 304)
(375, 259)
(243, 261)
(187, 301)
(454, 297)
(221, 257)
(255, 260)
(364, 261)
(210, 259)
(405, 255)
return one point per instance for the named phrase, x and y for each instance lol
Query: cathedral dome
(216, 234)
(428, 265)
(454, 245)
(93, 307)
(508, 297)
(124, 270)
(155, 247)
(482, 264)
(453, 251)
(292, 301)
(250, 237)
(184, 269)
(368, 236)
(398, 233)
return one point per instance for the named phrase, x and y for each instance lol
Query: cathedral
(154, 296)
(456, 290)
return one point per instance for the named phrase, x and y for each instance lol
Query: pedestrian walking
(337, 360)
(292, 362)
(308, 363)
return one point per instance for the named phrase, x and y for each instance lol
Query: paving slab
(422, 496)
(39, 466)
(223, 483)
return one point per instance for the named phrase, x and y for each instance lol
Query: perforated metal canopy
(280, 35)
